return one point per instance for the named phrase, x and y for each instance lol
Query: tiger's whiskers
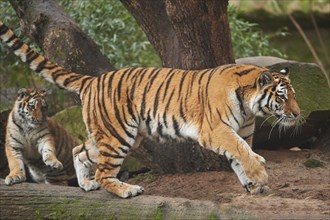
(273, 126)
(297, 128)
(266, 119)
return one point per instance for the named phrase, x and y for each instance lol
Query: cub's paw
(12, 179)
(54, 164)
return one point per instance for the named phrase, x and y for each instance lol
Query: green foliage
(114, 29)
(248, 40)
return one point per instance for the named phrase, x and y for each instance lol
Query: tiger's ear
(265, 78)
(285, 71)
(22, 93)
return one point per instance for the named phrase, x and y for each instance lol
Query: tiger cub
(37, 142)
(214, 107)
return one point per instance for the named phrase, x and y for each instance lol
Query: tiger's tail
(50, 71)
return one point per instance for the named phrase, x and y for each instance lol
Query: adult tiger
(38, 142)
(216, 107)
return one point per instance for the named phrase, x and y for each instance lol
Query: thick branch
(59, 37)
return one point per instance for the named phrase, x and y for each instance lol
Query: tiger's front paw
(54, 164)
(14, 178)
(252, 173)
(259, 189)
(256, 175)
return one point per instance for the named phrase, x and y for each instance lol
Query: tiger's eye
(280, 99)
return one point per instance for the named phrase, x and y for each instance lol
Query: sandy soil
(298, 192)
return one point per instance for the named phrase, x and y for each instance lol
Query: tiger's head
(31, 106)
(278, 98)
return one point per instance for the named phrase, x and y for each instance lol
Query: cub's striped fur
(38, 142)
(215, 107)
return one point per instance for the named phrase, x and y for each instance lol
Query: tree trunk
(186, 34)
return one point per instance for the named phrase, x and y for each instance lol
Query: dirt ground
(297, 191)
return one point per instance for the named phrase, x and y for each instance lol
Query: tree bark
(186, 34)
(4, 169)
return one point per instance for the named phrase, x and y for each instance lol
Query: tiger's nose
(296, 113)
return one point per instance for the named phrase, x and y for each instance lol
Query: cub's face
(278, 99)
(32, 106)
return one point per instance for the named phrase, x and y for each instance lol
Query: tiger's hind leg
(84, 160)
(111, 157)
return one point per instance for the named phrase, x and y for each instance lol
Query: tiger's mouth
(285, 123)
(288, 121)
(37, 121)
